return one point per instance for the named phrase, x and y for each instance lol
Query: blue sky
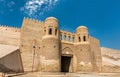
(102, 17)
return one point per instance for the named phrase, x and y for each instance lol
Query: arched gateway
(67, 60)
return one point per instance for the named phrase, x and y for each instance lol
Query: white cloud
(32, 7)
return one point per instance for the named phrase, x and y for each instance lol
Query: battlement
(9, 28)
(32, 20)
(9, 35)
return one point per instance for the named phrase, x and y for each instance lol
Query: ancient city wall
(84, 58)
(96, 52)
(9, 35)
(50, 55)
(80, 50)
(31, 36)
(67, 49)
(42, 45)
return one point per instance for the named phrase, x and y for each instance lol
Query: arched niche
(67, 51)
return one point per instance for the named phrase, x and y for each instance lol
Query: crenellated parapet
(31, 20)
(67, 36)
(9, 28)
(31, 25)
(9, 35)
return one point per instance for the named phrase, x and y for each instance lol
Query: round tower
(50, 57)
(83, 53)
(51, 27)
(82, 34)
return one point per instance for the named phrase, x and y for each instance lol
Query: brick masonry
(42, 46)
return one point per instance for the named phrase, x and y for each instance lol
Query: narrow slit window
(72, 39)
(64, 37)
(50, 31)
(79, 39)
(84, 38)
(55, 31)
(69, 38)
(60, 37)
(44, 32)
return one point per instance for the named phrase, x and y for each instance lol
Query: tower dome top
(82, 27)
(82, 30)
(51, 18)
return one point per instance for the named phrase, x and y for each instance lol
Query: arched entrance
(66, 60)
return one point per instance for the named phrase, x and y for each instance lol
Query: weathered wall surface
(50, 55)
(9, 36)
(12, 62)
(41, 48)
(96, 52)
(30, 43)
(79, 45)
(68, 49)
(82, 51)
(84, 58)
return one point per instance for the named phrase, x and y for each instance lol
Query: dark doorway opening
(65, 63)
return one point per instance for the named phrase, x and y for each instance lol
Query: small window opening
(84, 38)
(44, 32)
(50, 31)
(69, 38)
(79, 39)
(73, 39)
(60, 37)
(64, 37)
(55, 31)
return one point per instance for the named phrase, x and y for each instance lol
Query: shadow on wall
(11, 63)
(5, 69)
